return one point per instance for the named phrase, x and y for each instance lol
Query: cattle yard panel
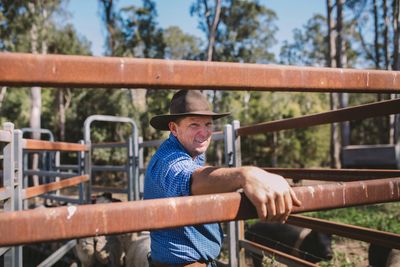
(336, 175)
(112, 72)
(12, 182)
(382, 238)
(14, 192)
(80, 71)
(340, 115)
(131, 168)
(104, 219)
(275, 254)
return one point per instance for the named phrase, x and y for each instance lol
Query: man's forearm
(209, 180)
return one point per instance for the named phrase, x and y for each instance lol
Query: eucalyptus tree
(179, 45)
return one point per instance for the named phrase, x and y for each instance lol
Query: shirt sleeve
(176, 178)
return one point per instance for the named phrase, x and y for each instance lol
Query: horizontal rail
(33, 144)
(72, 167)
(85, 71)
(103, 168)
(45, 188)
(50, 173)
(343, 175)
(368, 235)
(5, 136)
(152, 143)
(66, 222)
(4, 193)
(345, 114)
(276, 254)
(110, 145)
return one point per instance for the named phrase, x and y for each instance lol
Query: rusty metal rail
(66, 222)
(276, 254)
(85, 71)
(382, 238)
(45, 188)
(33, 144)
(338, 175)
(345, 114)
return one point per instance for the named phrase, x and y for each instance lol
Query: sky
(84, 15)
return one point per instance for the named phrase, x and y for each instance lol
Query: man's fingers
(271, 209)
(288, 202)
(295, 200)
(262, 211)
(288, 207)
(281, 208)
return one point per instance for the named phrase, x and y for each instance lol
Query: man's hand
(270, 194)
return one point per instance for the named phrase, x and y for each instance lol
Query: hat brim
(160, 122)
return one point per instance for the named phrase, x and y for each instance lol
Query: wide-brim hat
(185, 103)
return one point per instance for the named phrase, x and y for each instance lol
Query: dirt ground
(347, 253)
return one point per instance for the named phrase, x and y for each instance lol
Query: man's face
(194, 133)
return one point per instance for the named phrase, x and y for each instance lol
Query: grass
(353, 253)
(384, 217)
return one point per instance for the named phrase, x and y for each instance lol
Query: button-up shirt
(169, 175)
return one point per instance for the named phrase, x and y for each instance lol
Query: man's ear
(173, 128)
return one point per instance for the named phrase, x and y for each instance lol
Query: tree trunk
(331, 37)
(108, 11)
(212, 26)
(396, 34)
(340, 52)
(38, 33)
(376, 36)
(396, 63)
(335, 142)
(3, 92)
(61, 113)
(386, 36)
(213, 30)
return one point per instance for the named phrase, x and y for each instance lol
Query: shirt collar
(176, 142)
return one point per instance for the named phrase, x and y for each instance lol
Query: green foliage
(136, 32)
(15, 107)
(292, 148)
(383, 217)
(309, 46)
(179, 45)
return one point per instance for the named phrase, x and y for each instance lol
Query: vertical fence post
(8, 167)
(18, 183)
(237, 161)
(141, 165)
(131, 170)
(229, 162)
(85, 189)
(12, 179)
(25, 176)
(136, 162)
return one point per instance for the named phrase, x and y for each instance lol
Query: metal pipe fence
(18, 227)
(360, 187)
(95, 72)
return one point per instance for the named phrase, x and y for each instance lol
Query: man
(177, 169)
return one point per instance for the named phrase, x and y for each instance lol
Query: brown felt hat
(185, 103)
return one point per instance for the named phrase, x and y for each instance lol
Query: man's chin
(201, 150)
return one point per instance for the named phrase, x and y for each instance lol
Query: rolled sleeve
(178, 175)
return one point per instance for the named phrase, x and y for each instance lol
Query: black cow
(304, 243)
(379, 256)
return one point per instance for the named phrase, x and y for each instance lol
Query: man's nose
(206, 130)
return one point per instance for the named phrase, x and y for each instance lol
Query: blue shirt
(168, 175)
